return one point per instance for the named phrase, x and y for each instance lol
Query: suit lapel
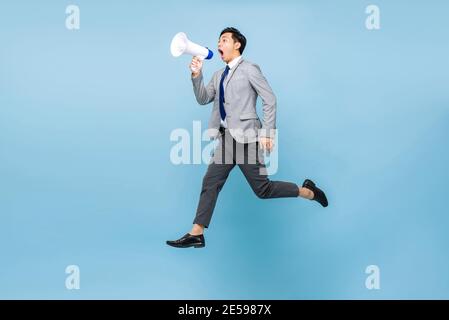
(232, 72)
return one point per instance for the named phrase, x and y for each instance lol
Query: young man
(234, 91)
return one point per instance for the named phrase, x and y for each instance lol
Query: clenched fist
(195, 66)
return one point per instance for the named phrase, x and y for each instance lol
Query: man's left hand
(266, 143)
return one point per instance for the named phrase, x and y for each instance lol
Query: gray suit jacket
(244, 83)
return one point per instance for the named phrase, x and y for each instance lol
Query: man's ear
(237, 45)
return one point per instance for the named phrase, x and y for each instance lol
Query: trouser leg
(254, 170)
(217, 172)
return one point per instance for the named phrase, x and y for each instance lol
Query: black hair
(237, 36)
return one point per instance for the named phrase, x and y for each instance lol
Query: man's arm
(263, 89)
(204, 95)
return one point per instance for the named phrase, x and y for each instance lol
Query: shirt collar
(234, 62)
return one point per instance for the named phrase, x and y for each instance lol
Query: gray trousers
(249, 158)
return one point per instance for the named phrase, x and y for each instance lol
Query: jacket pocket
(250, 115)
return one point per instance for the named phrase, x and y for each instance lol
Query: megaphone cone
(180, 44)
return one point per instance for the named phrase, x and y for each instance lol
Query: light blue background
(86, 179)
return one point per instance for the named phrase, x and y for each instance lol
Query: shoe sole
(189, 246)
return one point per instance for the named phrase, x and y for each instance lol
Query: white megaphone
(182, 45)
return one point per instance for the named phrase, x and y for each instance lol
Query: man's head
(231, 44)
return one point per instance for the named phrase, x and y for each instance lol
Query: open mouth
(220, 52)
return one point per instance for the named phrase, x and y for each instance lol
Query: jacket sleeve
(263, 89)
(204, 95)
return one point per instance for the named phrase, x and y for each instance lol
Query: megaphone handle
(202, 59)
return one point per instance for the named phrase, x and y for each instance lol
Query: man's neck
(233, 59)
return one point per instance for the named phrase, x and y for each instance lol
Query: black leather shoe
(188, 241)
(319, 195)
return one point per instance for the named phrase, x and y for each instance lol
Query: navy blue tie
(222, 100)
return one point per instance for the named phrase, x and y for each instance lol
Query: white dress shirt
(231, 66)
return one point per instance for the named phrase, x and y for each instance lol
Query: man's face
(227, 47)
